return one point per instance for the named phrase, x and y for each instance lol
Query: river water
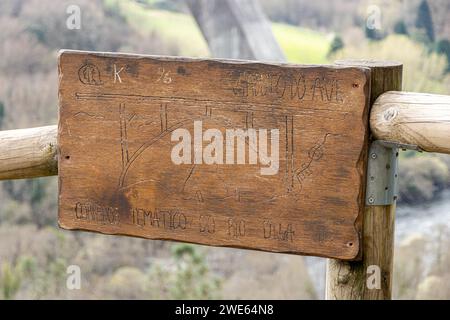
(423, 218)
(420, 219)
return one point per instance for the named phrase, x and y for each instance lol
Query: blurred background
(35, 253)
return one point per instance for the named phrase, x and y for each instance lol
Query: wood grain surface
(353, 280)
(28, 153)
(420, 119)
(117, 117)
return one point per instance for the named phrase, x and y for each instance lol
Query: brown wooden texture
(419, 119)
(118, 113)
(348, 280)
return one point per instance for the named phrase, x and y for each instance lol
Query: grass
(174, 27)
(300, 45)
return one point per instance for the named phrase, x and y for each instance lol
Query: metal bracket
(403, 146)
(382, 173)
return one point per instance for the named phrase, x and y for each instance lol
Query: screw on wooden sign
(240, 154)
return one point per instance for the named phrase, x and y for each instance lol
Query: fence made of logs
(398, 120)
(238, 29)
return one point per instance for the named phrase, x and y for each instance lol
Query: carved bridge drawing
(293, 175)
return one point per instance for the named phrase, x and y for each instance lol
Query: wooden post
(348, 280)
(28, 153)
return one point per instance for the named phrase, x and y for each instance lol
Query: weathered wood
(236, 29)
(115, 139)
(413, 118)
(28, 153)
(348, 280)
(404, 117)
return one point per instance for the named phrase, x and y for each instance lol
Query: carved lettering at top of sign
(227, 153)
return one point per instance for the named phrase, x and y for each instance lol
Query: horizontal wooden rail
(404, 117)
(413, 118)
(28, 153)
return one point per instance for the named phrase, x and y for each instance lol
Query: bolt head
(371, 200)
(373, 155)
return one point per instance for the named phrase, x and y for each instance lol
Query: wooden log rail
(28, 153)
(405, 117)
(413, 118)
(417, 119)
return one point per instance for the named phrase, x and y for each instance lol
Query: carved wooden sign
(224, 153)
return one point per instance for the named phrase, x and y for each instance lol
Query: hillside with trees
(34, 252)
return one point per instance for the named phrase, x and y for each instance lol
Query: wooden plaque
(291, 179)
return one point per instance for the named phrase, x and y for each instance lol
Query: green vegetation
(422, 178)
(175, 27)
(400, 28)
(300, 45)
(336, 45)
(34, 254)
(443, 47)
(424, 21)
(2, 113)
(184, 276)
(421, 266)
(423, 71)
(192, 279)
(9, 280)
(373, 34)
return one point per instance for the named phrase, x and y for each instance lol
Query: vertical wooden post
(348, 280)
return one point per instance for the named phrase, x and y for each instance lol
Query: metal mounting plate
(382, 174)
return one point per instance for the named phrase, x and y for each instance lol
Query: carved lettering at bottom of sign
(224, 153)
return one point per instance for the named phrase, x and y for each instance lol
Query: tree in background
(373, 34)
(13, 276)
(192, 279)
(10, 280)
(2, 113)
(400, 28)
(336, 44)
(424, 20)
(34, 197)
(185, 275)
(442, 47)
